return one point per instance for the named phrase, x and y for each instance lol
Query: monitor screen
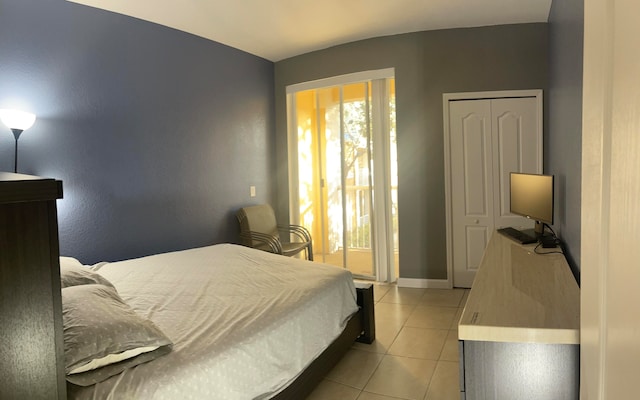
(532, 196)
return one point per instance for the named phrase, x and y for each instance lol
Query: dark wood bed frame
(361, 328)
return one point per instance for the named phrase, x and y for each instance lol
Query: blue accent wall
(156, 134)
(563, 147)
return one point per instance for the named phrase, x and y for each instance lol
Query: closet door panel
(471, 184)
(517, 142)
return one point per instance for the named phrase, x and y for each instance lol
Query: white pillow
(112, 359)
(103, 336)
(73, 273)
(70, 261)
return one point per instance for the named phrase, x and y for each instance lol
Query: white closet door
(517, 145)
(472, 195)
(488, 139)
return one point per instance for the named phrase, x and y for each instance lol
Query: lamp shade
(15, 119)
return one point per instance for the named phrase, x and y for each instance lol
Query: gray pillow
(73, 273)
(99, 325)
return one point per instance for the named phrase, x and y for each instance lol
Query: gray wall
(427, 64)
(564, 147)
(156, 134)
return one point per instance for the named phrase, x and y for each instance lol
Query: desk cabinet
(520, 329)
(32, 353)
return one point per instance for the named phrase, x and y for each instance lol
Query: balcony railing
(358, 219)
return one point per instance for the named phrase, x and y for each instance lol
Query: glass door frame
(382, 226)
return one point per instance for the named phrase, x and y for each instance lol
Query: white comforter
(244, 322)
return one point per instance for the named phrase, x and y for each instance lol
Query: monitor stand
(545, 238)
(539, 229)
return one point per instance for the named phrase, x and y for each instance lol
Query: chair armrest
(274, 244)
(297, 230)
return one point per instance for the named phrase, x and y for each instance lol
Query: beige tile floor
(415, 355)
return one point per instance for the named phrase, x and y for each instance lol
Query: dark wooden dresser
(31, 352)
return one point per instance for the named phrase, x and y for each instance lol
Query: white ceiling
(279, 29)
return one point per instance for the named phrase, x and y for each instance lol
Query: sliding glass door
(343, 172)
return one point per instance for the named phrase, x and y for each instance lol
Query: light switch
(252, 191)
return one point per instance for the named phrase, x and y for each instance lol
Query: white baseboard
(424, 283)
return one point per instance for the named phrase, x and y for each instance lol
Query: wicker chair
(259, 229)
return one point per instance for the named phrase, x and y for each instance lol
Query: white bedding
(244, 323)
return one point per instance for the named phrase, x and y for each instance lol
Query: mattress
(244, 323)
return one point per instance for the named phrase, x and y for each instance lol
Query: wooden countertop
(521, 296)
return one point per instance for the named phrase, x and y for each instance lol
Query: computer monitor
(531, 196)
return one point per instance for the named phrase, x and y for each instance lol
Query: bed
(231, 322)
